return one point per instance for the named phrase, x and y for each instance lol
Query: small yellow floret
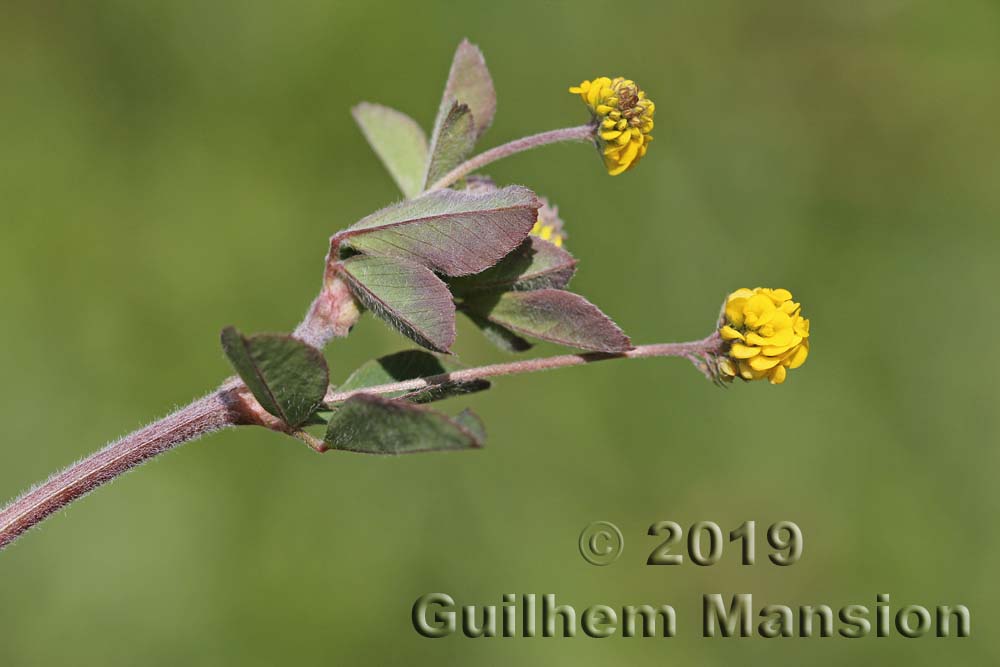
(623, 119)
(549, 226)
(766, 332)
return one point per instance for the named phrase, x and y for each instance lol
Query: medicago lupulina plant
(457, 243)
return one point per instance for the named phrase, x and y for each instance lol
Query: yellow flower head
(766, 332)
(624, 120)
(549, 226)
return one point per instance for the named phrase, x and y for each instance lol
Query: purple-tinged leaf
(287, 377)
(535, 264)
(469, 85)
(551, 315)
(453, 143)
(370, 424)
(406, 295)
(408, 365)
(454, 233)
(398, 141)
(505, 339)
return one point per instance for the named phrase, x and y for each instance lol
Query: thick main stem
(706, 346)
(581, 133)
(211, 413)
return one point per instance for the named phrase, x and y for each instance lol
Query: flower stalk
(579, 133)
(699, 348)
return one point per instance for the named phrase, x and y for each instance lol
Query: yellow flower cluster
(767, 334)
(625, 120)
(549, 226)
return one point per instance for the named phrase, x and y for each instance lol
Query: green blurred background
(168, 168)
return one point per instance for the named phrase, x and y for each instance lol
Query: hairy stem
(581, 133)
(216, 411)
(707, 346)
(332, 314)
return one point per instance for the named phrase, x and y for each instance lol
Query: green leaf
(470, 83)
(406, 295)
(398, 141)
(552, 315)
(452, 144)
(397, 367)
(505, 339)
(373, 425)
(448, 389)
(466, 110)
(287, 377)
(454, 233)
(535, 264)
(409, 365)
(471, 422)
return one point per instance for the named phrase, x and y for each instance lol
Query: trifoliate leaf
(553, 315)
(409, 365)
(454, 233)
(452, 144)
(406, 295)
(398, 141)
(505, 339)
(535, 264)
(371, 424)
(287, 377)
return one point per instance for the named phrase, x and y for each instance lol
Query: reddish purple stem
(580, 133)
(211, 413)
